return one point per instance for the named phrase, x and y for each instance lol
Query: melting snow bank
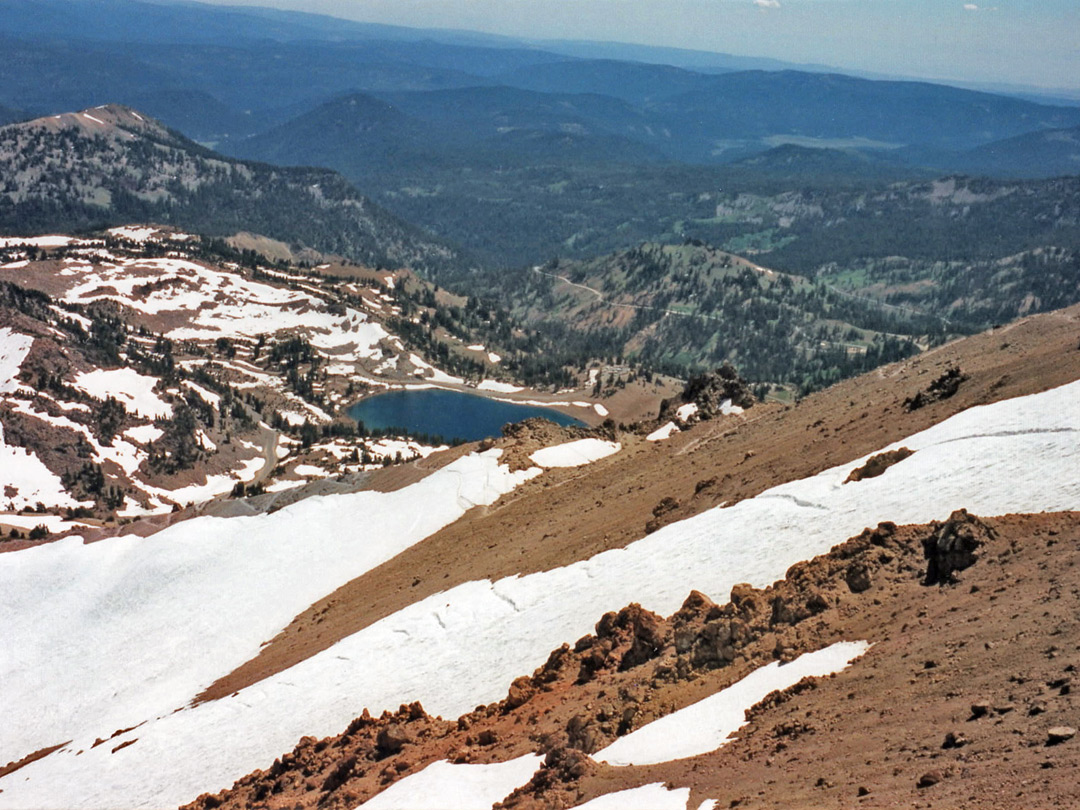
(706, 725)
(118, 643)
(662, 433)
(134, 628)
(445, 786)
(13, 350)
(575, 454)
(498, 387)
(646, 797)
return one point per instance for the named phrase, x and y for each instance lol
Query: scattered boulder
(662, 513)
(954, 740)
(876, 465)
(1060, 734)
(953, 545)
(857, 577)
(942, 388)
(521, 691)
(929, 779)
(392, 739)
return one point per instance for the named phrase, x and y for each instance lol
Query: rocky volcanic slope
(456, 626)
(577, 514)
(956, 703)
(112, 165)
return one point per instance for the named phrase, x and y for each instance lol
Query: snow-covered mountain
(447, 591)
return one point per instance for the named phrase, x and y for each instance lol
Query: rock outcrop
(709, 392)
(953, 545)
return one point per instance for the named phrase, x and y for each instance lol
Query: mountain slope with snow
(1016, 455)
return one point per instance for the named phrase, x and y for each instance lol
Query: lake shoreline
(571, 402)
(452, 414)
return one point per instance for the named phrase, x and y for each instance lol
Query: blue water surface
(449, 414)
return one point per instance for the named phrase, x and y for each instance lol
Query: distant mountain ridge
(224, 73)
(111, 165)
(1047, 153)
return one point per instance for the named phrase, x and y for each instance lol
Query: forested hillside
(111, 165)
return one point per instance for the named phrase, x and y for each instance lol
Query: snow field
(574, 454)
(135, 628)
(706, 725)
(13, 350)
(445, 786)
(134, 390)
(204, 593)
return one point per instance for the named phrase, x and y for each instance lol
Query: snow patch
(706, 725)
(36, 241)
(446, 786)
(135, 234)
(144, 434)
(499, 387)
(662, 433)
(686, 411)
(574, 454)
(13, 350)
(654, 796)
(131, 388)
(31, 480)
(727, 409)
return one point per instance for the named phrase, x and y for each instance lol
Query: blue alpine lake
(449, 414)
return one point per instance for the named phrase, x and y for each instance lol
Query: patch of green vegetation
(758, 242)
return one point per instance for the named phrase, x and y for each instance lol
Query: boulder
(953, 545)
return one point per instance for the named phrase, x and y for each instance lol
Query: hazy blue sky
(1034, 42)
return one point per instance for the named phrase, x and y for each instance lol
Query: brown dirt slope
(962, 685)
(573, 514)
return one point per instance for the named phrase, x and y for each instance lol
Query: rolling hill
(1048, 153)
